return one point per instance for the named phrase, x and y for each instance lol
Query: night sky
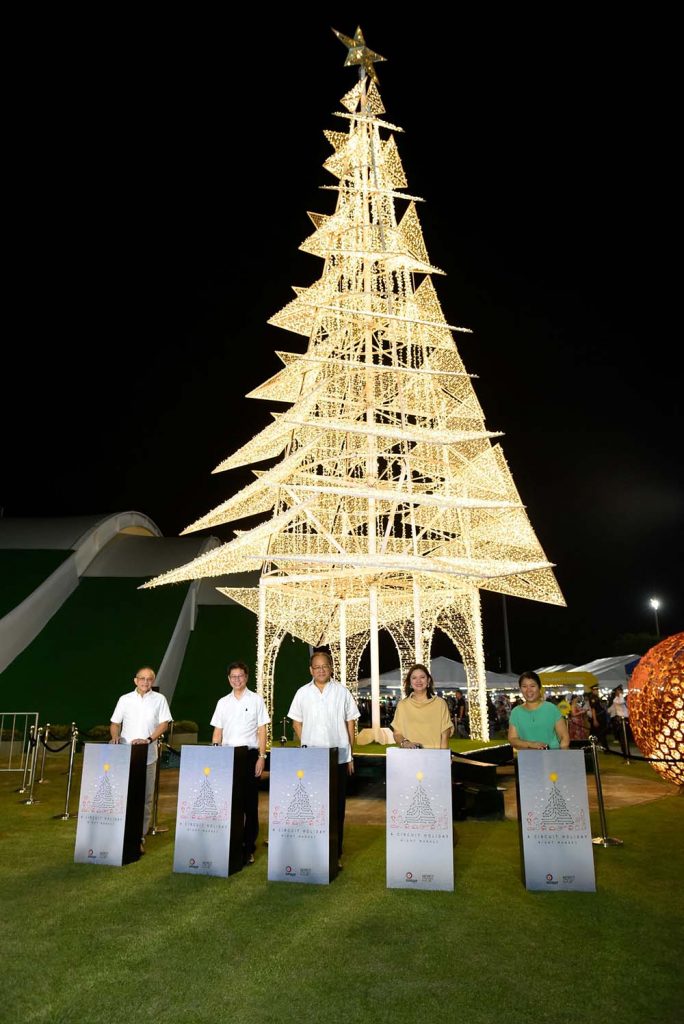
(161, 178)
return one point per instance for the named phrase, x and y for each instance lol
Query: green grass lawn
(96, 944)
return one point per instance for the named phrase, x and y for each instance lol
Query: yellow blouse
(423, 722)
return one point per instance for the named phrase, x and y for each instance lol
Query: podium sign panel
(209, 832)
(553, 812)
(302, 834)
(420, 846)
(111, 804)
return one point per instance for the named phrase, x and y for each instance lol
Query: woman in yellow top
(421, 719)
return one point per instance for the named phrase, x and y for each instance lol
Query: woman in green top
(537, 724)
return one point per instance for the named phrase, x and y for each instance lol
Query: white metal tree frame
(389, 506)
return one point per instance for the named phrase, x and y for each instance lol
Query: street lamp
(655, 605)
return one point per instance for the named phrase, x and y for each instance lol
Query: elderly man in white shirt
(142, 716)
(324, 714)
(240, 720)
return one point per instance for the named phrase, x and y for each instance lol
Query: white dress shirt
(139, 716)
(240, 719)
(324, 716)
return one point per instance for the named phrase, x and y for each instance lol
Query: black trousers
(251, 803)
(342, 776)
(622, 735)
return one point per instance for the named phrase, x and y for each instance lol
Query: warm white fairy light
(389, 506)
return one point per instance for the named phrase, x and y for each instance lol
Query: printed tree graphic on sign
(300, 805)
(556, 811)
(420, 812)
(103, 801)
(205, 803)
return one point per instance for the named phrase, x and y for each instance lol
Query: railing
(17, 728)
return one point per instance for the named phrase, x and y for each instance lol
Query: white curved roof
(67, 532)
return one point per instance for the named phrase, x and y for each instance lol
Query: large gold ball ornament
(656, 707)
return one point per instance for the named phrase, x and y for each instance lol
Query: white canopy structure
(447, 674)
(610, 671)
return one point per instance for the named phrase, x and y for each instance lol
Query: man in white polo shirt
(240, 720)
(324, 714)
(141, 717)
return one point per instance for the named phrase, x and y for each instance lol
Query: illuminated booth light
(656, 707)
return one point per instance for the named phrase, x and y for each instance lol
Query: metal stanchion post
(603, 839)
(157, 829)
(29, 752)
(46, 736)
(283, 738)
(34, 757)
(74, 740)
(625, 740)
(74, 729)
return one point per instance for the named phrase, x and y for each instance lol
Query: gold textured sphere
(656, 707)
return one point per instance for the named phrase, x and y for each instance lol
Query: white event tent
(448, 674)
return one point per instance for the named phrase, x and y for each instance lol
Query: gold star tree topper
(359, 54)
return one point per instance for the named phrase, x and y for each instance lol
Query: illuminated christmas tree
(388, 506)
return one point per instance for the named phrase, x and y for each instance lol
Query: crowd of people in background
(587, 714)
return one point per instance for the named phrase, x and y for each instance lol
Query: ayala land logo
(196, 865)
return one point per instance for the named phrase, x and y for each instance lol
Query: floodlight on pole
(655, 605)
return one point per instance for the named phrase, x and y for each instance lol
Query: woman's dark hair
(530, 675)
(407, 680)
